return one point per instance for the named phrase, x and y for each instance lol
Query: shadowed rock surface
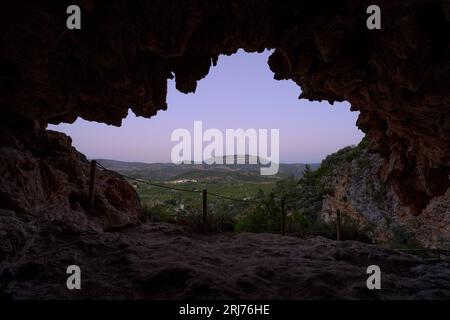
(162, 261)
(44, 185)
(360, 195)
(397, 77)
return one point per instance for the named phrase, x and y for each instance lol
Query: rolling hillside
(201, 172)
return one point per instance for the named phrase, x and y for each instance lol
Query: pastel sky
(239, 92)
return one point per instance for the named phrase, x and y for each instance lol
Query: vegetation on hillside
(303, 202)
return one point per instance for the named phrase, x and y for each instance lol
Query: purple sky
(239, 92)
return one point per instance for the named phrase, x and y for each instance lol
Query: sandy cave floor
(163, 261)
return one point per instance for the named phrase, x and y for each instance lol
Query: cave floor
(163, 261)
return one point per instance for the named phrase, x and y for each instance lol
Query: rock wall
(360, 195)
(44, 185)
(397, 77)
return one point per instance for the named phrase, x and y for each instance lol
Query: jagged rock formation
(357, 192)
(44, 185)
(397, 77)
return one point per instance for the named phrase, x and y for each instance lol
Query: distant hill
(200, 172)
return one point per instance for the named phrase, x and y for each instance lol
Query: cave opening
(396, 78)
(239, 92)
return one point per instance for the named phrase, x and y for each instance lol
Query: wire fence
(203, 192)
(147, 182)
(441, 255)
(176, 189)
(429, 254)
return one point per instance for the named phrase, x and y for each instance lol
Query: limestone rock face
(44, 185)
(432, 226)
(360, 195)
(397, 77)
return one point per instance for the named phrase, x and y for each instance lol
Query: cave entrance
(239, 92)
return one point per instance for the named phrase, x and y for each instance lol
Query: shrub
(353, 230)
(157, 213)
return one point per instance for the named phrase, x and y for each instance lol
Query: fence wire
(442, 255)
(176, 189)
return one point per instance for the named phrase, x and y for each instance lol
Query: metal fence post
(205, 209)
(283, 218)
(338, 225)
(92, 184)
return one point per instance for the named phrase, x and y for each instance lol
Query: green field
(162, 204)
(151, 195)
(255, 198)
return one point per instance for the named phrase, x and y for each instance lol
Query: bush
(303, 203)
(222, 217)
(352, 230)
(301, 224)
(255, 221)
(157, 213)
(264, 217)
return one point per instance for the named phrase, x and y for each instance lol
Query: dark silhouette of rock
(397, 77)
(44, 186)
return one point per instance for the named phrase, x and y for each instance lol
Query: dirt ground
(163, 261)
